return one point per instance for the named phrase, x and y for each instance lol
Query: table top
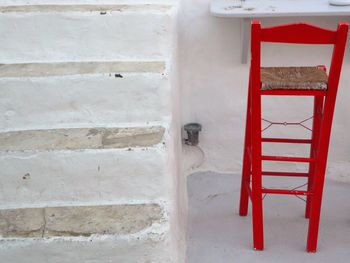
(275, 8)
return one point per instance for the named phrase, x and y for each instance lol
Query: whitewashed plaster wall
(119, 37)
(214, 88)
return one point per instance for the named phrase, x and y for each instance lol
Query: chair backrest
(299, 33)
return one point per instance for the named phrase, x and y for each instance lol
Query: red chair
(291, 81)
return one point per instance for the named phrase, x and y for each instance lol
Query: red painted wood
(293, 92)
(249, 191)
(300, 33)
(285, 140)
(246, 168)
(287, 159)
(325, 133)
(317, 113)
(257, 208)
(292, 174)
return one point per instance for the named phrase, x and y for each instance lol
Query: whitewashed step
(82, 166)
(101, 233)
(83, 7)
(93, 2)
(82, 34)
(148, 249)
(100, 95)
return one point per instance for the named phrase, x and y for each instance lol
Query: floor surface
(217, 234)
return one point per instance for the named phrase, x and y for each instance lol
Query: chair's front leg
(246, 168)
(257, 208)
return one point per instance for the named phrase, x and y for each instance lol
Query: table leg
(245, 36)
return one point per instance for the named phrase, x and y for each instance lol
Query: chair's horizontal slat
(287, 159)
(298, 33)
(285, 140)
(293, 92)
(292, 174)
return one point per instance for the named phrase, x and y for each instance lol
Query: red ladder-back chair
(324, 90)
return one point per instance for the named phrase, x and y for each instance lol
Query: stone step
(79, 68)
(58, 33)
(122, 219)
(82, 166)
(80, 138)
(82, 94)
(103, 233)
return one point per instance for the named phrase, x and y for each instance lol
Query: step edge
(90, 139)
(47, 69)
(158, 228)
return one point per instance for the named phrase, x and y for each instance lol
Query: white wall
(214, 87)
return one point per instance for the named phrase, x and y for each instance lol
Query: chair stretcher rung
(293, 92)
(287, 159)
(285, 192)
(270, 173)
(283, 140)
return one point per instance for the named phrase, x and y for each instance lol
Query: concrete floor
(216, 233)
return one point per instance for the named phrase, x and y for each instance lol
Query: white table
(246, 10)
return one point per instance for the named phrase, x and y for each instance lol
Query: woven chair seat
(305, 78)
